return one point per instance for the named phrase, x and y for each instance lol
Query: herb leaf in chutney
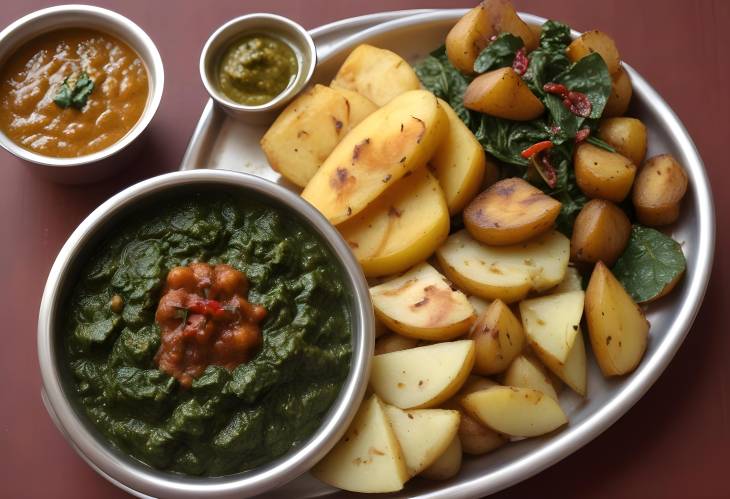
(77, 95)
(649, 263)
(498, 54)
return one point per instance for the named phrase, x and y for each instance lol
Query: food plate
(220, 142)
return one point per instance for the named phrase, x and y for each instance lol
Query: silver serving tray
(221, 142)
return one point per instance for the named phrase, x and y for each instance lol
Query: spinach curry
(222, 419)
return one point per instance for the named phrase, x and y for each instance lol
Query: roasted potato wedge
(658, 191)
(551, 323)
(498, 339)
(378, 74)
(502, 93)
(621, 92)
(447, 465)
(603, 174)
(626, 135)
(360, 106)
(392, 342)
(479, 304)
(573, 371)
(421, 304)
(459, 163)
(510, 212)
(595, 41)
(616, 325)
(526, 371)
(600, 233)
(401, 228)
(572, 281)
(398, 138)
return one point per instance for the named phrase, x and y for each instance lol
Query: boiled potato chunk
(398, 138)
(476, 439)
(360, 106)
(458, 163)
(600, 233)
(507, 273)
(479, 304)
(421, 304)
(422, 377)
(394, 343)
(378, 74)
(552, 322)
(503, 17)
(595, 41)
(573, 371)
(621, 92)
(503, 94)
(447, 465)
(658, 191)
(401, 228)
(527, 372)
(603, 174)
(423, 434)
(510, 212)
(626, 135)
(518, 412)
(572, 281)
(498, 338)
(616, 325)
(368, 458)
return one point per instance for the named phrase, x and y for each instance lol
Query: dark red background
(674, 443)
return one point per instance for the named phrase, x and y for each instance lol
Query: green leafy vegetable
(498, 54)
(505, 139)
(77, 95)
(549, 59)
(650, 261)
(440, 77)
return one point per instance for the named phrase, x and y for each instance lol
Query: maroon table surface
(674, 443)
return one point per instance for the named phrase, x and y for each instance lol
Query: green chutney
(227, 421)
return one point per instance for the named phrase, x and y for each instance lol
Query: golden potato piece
(658, 191)
(392, 342)
(510, 212)
(447, 465)
(551, 324)
(504, 19)
(498, 339)
(458, 163)
(527, 372)
(621, 92)
(595, 41)
(626, 135)
(600, 233)
(502, 93)
(616, 325)
(401, 228)
(398, 138)
(360, 106)
(603, 174)
(572, 281)
(378, 74)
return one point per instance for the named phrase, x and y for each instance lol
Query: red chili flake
(578, 103)
(582, 134)
(556, 88)
(546, 170)
(521, 62)
(536, 148)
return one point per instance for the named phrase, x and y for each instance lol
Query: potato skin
(502, 93)
(600, 233)
(658, 191)
(595, 41)
(510, 212)
(626, 135)
(603, 174)
(393, 342)
(621, 92)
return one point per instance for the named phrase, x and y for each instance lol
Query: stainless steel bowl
(129, 473)
(287, 30)
(95, 166)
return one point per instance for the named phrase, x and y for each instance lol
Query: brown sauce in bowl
(32, 78)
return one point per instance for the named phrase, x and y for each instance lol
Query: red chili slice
(579, 104)
(556, 89)
(536, 148)
(582, 135)
(521, 62)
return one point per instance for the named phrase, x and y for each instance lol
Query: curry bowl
(106, 141)
(97, 233)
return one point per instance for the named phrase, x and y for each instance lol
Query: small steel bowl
(286, 30)
(61, 401)
(100, 164)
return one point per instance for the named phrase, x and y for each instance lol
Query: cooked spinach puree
(227, 421)
(255, 69)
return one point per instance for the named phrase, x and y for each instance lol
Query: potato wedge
(552, 322)
(396, 139)
(476, 439)
(447, 465)
(422, 377)
(518, 412)
(626, 135)
(573, 371)
(658, 191)
(621, 92)
(503, 17)
(498, 339)
(507, 273)
(595, 41)
(423, 434)
(503, 94)
(510, 212)
(368, 458)
(572, 281)
(527, 372)
(360, 106)
(458, 163)
(603, 174)
(421, 304)
(375, 73)
(401, 228)
(616, 325)
(394, 343)
(601, 232)
(479, 304)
